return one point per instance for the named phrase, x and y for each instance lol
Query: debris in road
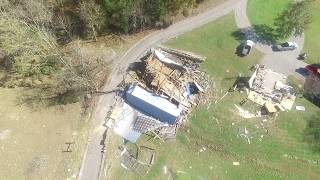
(300, 108)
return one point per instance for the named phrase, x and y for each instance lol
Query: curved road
(94, 155)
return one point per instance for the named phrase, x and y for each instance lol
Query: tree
(94, 18)
(119, 13)
(294, 20)
(81, 74)
(24, 37)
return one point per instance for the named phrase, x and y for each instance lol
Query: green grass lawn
(312, 35)
(215, 41)
(262, 14)
(265, 11)
(281, 153)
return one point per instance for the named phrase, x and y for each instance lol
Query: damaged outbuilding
(270, 90)
(160, 98)
(152, 104)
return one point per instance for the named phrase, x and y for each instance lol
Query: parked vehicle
(247, 46)
(287, 46)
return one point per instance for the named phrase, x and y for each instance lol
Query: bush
(186, 12)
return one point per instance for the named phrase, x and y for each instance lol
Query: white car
(247, 46)
(287, 46)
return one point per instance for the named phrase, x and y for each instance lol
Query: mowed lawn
(32, 139)
(312, 35)
(265, 11)
(207, 145)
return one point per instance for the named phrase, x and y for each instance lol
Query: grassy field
(265, 11)
(312, 35)
(32, 140)
(207, 145)
(262, 14)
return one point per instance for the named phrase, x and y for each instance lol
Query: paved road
(282, 62)
(285, 62)
(94, 156)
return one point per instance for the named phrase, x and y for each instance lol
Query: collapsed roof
(170, 84)
(175, 76)
(270, 89)
(152, 104)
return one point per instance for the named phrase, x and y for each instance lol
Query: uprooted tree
(294, 20)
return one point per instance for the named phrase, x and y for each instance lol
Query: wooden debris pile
(164, 75)
(175, 74)
(139, 163)
(158, 95)
(269, 89)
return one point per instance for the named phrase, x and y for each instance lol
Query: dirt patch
(5, 134)
(32, 141)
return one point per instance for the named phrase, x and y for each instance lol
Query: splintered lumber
(184, 54)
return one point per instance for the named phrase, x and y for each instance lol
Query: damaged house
(269, 89)
(154, 105)
(312, 83)
(159, 100)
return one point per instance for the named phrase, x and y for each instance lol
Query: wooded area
(34, 34)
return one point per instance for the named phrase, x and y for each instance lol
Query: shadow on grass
(312, 132)
(42, 96)
(260, 33)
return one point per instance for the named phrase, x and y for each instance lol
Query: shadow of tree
(35, 96)
(265, 32)
(239, 35)
(261, 33)
(312, 132)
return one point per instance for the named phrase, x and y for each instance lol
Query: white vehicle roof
(249, 43)
(293, 44)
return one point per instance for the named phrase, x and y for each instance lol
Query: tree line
(34, 35)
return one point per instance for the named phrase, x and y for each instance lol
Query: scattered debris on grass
(236, 163)
(244, 133)
(269, 89)
(300, 108)
(246, 114)
(137, 164)
(289, 156)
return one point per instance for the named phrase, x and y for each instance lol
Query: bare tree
(94, 17)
